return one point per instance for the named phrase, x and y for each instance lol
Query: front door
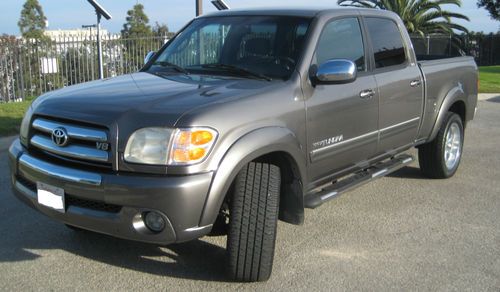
(342, 119)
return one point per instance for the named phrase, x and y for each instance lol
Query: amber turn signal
(201, 137)
(190, 146)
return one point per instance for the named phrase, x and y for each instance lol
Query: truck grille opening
(27, 183)
(93, 205)
(71, 200)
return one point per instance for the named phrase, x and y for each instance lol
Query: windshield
(263, 47)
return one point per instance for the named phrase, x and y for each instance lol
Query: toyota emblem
(60, 136)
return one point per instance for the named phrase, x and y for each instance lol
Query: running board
(357, 179)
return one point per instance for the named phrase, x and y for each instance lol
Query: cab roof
(298, 12)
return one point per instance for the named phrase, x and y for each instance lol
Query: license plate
(50, 196)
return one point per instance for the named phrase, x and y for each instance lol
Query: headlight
(163, 146)
(25, 126)
(148, 146)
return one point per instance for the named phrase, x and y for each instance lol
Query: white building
(79, 33)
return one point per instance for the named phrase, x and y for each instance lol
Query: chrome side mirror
(149, 56)
(336, 71)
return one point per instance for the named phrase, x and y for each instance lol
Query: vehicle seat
(257, 47)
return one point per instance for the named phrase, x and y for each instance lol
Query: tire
(441, 157)
(253, 222)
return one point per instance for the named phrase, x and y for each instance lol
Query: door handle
(367, 94)
(415, 83)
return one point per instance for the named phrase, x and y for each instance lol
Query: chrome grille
(81, 141)
(76, 132)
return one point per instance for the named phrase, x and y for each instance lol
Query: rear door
(399, 82)
(342, 120)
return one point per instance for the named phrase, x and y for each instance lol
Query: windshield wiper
(239, 70)
(172, 65)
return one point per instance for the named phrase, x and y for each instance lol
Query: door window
(387, 43)
(342, 39)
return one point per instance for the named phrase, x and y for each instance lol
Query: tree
(32, 22)
(137, 24)
(135, 32)
(73, 60)
(493, 7)
(419, 16)
(160, 29)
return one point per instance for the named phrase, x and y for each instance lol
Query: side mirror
(149, 56)
(335, 71)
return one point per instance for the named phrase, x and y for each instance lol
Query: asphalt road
(402, 232)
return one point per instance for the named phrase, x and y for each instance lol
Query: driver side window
(342, 39)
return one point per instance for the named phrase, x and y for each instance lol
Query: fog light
(154, 221)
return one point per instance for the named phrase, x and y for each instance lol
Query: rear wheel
(440, 158)
(253, 222)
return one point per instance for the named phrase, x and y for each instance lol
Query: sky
(70, 14)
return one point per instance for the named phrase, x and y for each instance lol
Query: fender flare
(454, 95)
(246, 149)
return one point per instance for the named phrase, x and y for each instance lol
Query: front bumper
(113, 203)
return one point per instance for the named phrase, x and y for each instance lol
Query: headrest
(258, 46)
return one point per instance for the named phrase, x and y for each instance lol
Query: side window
(387, 43)
(342, 39)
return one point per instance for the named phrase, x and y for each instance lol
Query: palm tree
(419, 16)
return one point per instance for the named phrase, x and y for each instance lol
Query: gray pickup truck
(244, 118)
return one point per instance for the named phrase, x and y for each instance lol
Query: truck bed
(445, 76)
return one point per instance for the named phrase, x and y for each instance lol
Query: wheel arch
(275, 145)
(459, 108)
(454, 102)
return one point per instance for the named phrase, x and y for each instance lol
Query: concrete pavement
(487, 96)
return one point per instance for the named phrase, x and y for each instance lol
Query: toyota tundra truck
(243, 118)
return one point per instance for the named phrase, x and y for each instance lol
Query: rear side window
(342, 39)
(387, 43)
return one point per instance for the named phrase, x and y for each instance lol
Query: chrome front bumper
(111, 203)
(59, 172)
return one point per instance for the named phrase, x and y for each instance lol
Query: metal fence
(32, 67)
(484, 48)
(29, 68)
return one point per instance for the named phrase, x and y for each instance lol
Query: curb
(486, 96)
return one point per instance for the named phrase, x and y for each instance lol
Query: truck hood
(142, 99)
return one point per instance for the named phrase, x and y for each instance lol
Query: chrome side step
(357, 179)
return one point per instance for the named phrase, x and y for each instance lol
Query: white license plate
(50, 196)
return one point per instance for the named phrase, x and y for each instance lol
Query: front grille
(71, 200)
(27, 183)
(71, 141)
(93, 205)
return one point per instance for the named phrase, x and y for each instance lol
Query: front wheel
(440, 158)
(253, 222)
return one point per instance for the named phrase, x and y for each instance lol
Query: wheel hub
(452, 150)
